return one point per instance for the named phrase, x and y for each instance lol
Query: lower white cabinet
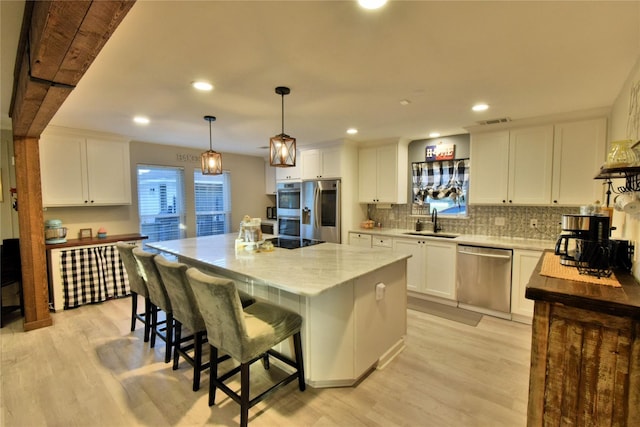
(431, 270)
(361, 240)
(524, 262)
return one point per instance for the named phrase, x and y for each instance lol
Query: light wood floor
(89, 370)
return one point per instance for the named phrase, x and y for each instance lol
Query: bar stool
(159, 300)
(246, 335)
(186, 313)
(138, 288)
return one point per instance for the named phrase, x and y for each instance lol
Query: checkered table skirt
(92, 274)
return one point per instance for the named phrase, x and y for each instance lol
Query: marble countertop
(465, 239)
(306, 271)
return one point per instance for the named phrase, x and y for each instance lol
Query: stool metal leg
(134, 310)
(297, 345)
(244, 394)
(213, 373)
(176, 353)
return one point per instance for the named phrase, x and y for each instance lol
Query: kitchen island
(353, 300)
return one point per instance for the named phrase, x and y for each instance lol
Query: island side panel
(380, 316)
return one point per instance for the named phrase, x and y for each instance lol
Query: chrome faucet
(434, 220)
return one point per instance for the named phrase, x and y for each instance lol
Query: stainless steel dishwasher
(483, 280)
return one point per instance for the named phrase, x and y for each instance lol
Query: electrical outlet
(533, 223)
(499, 221)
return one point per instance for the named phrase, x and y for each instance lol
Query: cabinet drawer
(382, 242)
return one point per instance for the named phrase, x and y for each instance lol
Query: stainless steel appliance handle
(316, 207)
(485, 255)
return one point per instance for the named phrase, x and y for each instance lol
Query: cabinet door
(292, 173)
(360, 240)
(311, 164)
(415, 264)
(579, 152)
(63, 170)
(524, 262)
(530, 165)
(440, 269)
(489, 168)
(109, 172)
(367, 179)
(387, 174)
(331, 163)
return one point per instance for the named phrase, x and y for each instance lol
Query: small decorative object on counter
(368, 224)
(250, 234)
(418, 225)
(621, 155)
(102, 233)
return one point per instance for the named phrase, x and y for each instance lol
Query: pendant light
(282, 148)
(211, 160)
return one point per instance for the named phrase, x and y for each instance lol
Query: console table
(84, 271)
(585, 352)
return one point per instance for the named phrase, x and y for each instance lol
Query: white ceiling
(346, 67)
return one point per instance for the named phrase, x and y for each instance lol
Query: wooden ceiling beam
(57, 46)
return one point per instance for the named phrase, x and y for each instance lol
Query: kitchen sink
(431, 234)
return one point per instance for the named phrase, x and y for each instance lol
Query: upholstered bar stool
(246, 335)
(138, 288)
(159, 300)
(186, 313)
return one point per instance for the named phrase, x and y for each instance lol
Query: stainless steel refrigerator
(320, 210)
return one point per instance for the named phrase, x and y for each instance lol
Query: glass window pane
(213, 203)
(161, 202)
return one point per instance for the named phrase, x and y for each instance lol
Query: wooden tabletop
(97, 241)
(622, 301)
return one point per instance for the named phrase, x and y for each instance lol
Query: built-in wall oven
(288, 208)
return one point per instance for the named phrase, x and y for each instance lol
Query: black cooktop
(293, 243)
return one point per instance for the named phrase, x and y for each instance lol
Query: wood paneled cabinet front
(84, 170)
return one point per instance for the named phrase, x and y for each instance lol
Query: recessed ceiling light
(405, 102)
(480, 107)
(352, 131)
(141, 120)
(204, 86)
(372, 4)
(434, 135)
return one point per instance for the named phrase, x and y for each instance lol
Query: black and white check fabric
(91, 275)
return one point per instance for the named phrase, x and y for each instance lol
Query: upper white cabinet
(269, 178)
(539, 165)
(80, 169)
(383, 174)
(291, 173)
(321, 163)
(512, 166)
(579, 150)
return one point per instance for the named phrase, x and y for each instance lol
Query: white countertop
(465, 239)
(306, 271)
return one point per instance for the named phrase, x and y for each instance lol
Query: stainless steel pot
(576, 222)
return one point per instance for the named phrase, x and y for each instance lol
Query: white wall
(628, 226)
(247, 191)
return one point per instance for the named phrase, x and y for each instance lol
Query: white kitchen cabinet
(524, 262)
(431, 270)
(79, 169)
(321, 163)
(360, 240)
(415, 264)
(269, 178)
(579, 151)
(383, 174)
(512, 166)
(384, 242)
(293, 173)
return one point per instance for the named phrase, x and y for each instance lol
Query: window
(213, 203)
(161, 202)
(443, 185)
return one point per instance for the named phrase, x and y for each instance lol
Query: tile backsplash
(482, 220)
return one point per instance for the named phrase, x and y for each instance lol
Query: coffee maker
(584, 243)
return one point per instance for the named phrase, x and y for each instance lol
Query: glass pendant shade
(282, 148)
(211, 160)
(211, 163)
(282, 151)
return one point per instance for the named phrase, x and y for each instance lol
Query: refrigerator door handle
(316, 207)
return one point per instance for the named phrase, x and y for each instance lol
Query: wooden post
(35, 287)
